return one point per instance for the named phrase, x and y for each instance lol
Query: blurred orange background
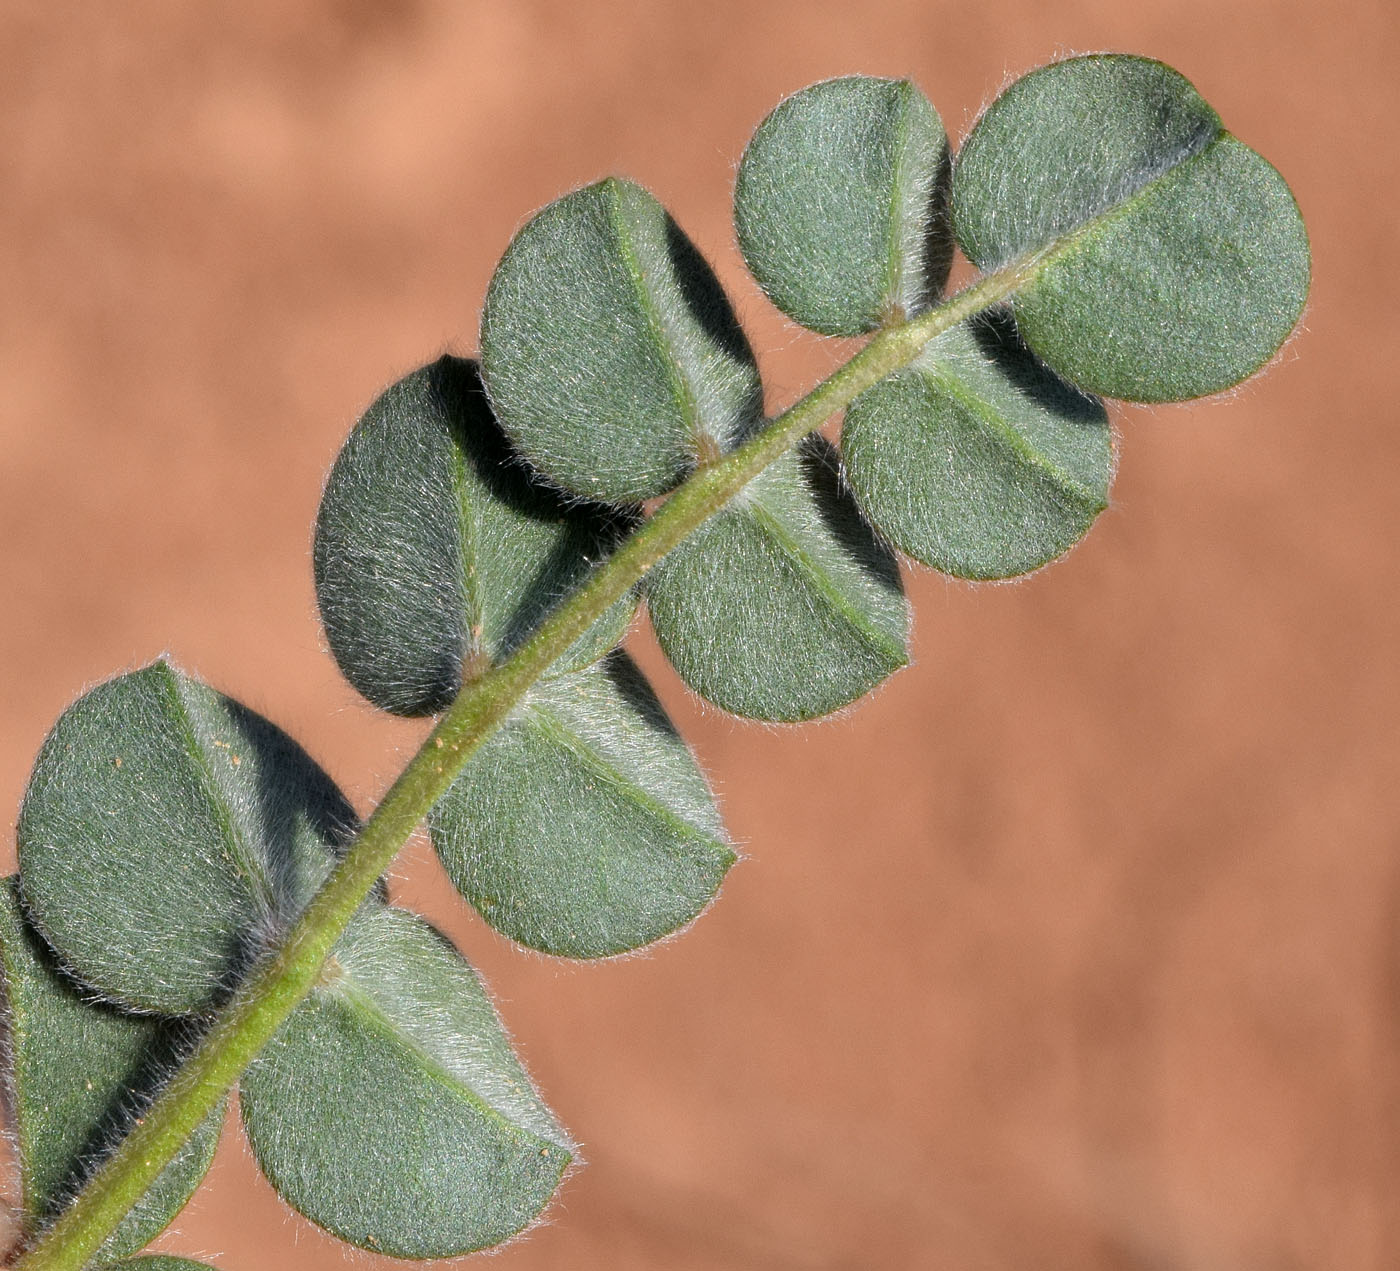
(1076, 947)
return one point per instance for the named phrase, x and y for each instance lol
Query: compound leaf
(167, 834)
(841, 204)
(1166, 259)
(610, 352)
(583, 827)
(977, 460)
(79, 1075)
(391, 1110)
(436, 550)
(783, 606)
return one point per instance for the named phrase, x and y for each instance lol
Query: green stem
(269, 995)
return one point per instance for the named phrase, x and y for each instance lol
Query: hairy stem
(261, 1004)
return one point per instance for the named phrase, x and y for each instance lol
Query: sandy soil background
(1074, 948)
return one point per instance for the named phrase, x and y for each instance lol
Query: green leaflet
(167, 835)
(1169, 259)
(583, 827)
(391, 1110)
(977, 460)
(610, 352)
(841, 204)
(78, 1074)
(435, 548)
(783, 606)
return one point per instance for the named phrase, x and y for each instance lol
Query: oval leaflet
(1164, 258)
